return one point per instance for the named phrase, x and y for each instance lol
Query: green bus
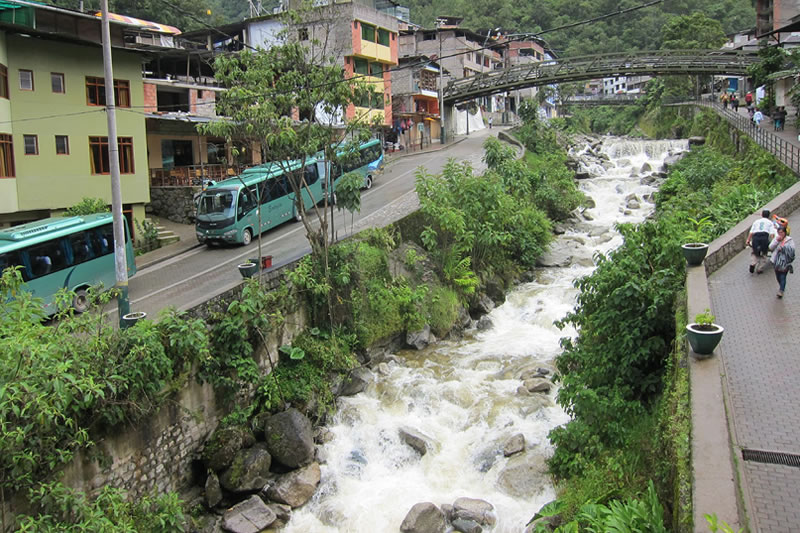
(227, 210)
(72, 253)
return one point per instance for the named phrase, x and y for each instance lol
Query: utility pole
(442, 135)
(120, 261)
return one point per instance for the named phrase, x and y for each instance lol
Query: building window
(96, 92)
(98, 149)
(31, 144)
(383, 37)
(57, 82)
(6, 156)
(25, 80)
(361, 66)
(3, 82)
(302, 34)
(62, 145)
(367, 32)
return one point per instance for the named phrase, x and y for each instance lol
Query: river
(463, 395)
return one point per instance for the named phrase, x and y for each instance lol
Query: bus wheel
(247, 237)
(368, 183)
(80, 302)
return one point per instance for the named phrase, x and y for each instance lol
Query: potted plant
(703, 333)
(695, 249)
(247, 270)
(132, 318)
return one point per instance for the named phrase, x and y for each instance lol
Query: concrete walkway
(758, 368)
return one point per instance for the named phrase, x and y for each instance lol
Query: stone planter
(703, 338)
(694, 252)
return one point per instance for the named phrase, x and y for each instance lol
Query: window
(3, 81)
(96, 92)
(57, 82)
(98, 150)
(361, 66)
(367, 32)
(31, 144)
(6, 156)
(25, 80)
(383, 37)
(62, 145)
(302, 34)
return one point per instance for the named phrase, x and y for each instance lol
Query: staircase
(166, 236)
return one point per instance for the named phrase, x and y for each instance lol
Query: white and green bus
(72, 253)
(227, 211)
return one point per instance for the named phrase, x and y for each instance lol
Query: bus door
(311, 176)
(276, 203)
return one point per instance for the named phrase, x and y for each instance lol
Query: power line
(30, 119)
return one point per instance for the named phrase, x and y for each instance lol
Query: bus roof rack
(39, 227)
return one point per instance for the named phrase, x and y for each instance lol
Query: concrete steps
(165, 236)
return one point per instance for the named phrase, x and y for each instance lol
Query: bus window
(102, 240)
(278, 188)
(79, 245)
(46, 258)
(246, 203)
(13, 259)
(217, 201)
(310, 173)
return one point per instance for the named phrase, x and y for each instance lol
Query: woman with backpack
(782, 247)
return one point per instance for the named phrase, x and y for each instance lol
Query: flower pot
(703, 338)
(131, 318)
(694, 252)
(248, 270)
(266, 261)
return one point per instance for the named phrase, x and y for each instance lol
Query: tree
(689, 32)
(290, 100)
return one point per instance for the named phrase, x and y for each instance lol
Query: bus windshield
(222, 201)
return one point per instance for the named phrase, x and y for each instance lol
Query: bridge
(601, 99)
(568, 69)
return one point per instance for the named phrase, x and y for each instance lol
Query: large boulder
(249, 471)
(524, 476)
(419, 442)
(420, 339)
(476, 510)
(537, 385)
(357, 381)
(249, 516)
(213, 491)
(289, 438)
(297, 487)
(221, 447)
(514, 445)
(424, 517)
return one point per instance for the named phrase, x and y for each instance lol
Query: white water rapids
(463, 394)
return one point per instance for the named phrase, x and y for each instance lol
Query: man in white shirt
(761, 233)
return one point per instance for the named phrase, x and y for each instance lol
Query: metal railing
(190, 175)
(787, 152)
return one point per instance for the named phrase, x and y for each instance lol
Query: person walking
(748, 98)
(724, 100)
(735, 102)
(758, 116)
(782, 247)
(761, 232)
(778, 117)
(490, 121)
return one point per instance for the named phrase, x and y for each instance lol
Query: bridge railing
(786, 152)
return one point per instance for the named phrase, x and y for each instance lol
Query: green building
(53, 124)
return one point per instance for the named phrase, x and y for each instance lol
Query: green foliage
(715, 525)
(88, 206)
(443, 309)
(79, 374)
(689, 32)
(705, 318)
(772, 59)
(699, 231)
(59, 509)
(147, 236)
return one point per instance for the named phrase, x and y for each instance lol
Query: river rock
(357, 381)
(645, 168)
(249, 516)
(537, 385)
(587, 215)
(249, 470)
(283, 513)
(420, 339)
(565, 252)
(221, 447)
(582, 175)
(495, 290)
(479, 511)
(514, 445)
(481, 305)
(213, 491)
(289, 438)
(524, 476)
(419, 442)
(466, 526)
(297, 487)
(424, 517)
(672, 160)
(484, 323)
(697, 141)
(589, 202)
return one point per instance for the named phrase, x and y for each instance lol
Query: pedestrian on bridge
(748, 98)
(758, 116)
(735, 102)
(782, 247)
(724, 100)
(761, 232)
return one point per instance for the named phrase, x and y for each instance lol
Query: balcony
(190, 175)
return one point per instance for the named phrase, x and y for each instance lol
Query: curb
(175, 253)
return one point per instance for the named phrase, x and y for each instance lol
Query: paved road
(192, 277)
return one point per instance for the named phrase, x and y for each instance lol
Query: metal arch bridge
(567, 69)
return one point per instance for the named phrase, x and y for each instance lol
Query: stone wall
(173, 203)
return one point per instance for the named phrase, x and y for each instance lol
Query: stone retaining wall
(173, 203)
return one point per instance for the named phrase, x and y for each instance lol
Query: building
(415, 100)
(53, 126)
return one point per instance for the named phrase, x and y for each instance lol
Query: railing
(787, 153)
(190, 175)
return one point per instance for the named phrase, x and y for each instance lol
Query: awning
(145, 24)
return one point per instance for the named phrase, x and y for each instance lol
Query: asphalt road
(187, 280)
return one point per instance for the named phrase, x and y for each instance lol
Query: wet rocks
(537, 385)
(357, 381)
(248, 471)
(296, 488)
(514, 445)
(420, 339)
(223, 445)
(249, 516)
(479, 511)
(290, 440)
(524, 476)
(416, 440)
(424, 517)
